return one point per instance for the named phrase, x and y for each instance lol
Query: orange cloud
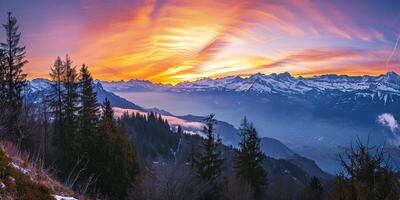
(315, 55)
(177, 40)
(144, 44)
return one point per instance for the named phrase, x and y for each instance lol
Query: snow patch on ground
(58, 197)
(21, 169)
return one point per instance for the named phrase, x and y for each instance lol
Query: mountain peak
(285, 76)
(257, 76)
(40, 79)
(391, 74)
(391, 78)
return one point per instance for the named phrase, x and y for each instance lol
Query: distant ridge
(39, 88)
(283, 83)
(239, 77)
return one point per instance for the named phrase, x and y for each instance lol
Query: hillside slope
(22, 180)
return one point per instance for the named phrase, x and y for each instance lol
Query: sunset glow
(170, 41)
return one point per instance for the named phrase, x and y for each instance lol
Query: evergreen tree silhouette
(13, 78)
(70, 107)
(119, 165)
(88, 113)
(56, 101)
(248, 159)
(211, 162)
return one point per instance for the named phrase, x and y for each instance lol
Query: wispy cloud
(388, 120)
(175, 40)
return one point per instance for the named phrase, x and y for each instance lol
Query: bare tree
(366, 175)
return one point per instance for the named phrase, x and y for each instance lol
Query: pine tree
(179, 131)
(342, 189)
(56, 102)
(248, 159)
(2, 86)
(155, 136)
(88, 112)
(120, 158)
(125, 163)
(365, 175)
(87, 141)
(107, 118)
(14, 78)
(193, 160)
(70, 107)
(57, 91)
(211, 162)
(105, 149)
(314, 190)
(2, 78)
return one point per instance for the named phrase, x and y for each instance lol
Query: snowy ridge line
(273, 83)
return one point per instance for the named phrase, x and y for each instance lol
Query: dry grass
(33, 166)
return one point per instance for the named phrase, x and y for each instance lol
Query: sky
(171, 41)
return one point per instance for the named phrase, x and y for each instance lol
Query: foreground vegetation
(16, 184)
(142, 157)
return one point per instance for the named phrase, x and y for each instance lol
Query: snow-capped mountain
(382, 87)
(332, 98)
(287, 84)
(135, 85)
(323, 111)
(273, 83)
(38, 89)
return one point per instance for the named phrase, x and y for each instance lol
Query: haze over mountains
(317, 116)
(279, 103)
(282, 159)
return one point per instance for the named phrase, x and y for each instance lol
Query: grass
(17, 185)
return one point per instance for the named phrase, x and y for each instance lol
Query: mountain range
(316, 117)
(327, 101)
(383, 86)
(280, 155)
